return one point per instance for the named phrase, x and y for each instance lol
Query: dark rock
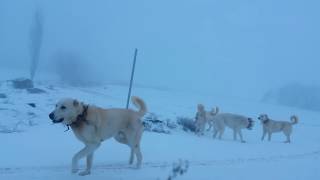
(3, 96)
(35, 91)
(22, 83)
(32, 105)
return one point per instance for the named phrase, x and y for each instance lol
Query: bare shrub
(187, 124)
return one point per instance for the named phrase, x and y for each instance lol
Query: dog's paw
(74, 170)
(84, 173)
(243, 141)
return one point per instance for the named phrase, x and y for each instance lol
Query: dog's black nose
(51, 116)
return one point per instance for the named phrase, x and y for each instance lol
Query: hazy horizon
(241, 49)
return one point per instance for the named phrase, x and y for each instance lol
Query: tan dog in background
(271, 126)
(210, 115)
(203, 118)
(200, 119)
(92, 125)
(233, 121)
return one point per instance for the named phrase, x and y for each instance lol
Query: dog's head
(263, 117)
(200, 108)
(66, 111)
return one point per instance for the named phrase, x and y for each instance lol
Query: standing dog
(210, 115)
(233, 121)
(270, 126)
(200, 119)
(92, 125)
(203, 117)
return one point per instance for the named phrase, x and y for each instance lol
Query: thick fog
(231, 48)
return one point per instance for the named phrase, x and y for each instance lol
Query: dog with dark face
(271, 126)
(92, 125)
(233, 121)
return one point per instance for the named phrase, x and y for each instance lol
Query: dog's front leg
(234, 135)
(89, 166)
(86, 151)
(263, 135)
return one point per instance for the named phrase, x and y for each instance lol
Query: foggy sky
(232, 48)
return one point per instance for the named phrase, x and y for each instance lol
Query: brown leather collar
(266, 121)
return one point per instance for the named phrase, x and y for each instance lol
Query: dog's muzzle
(52, 117)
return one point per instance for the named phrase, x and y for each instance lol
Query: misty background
(245, 49)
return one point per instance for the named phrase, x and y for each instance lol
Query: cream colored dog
(92, 125)
(203, 118)
(200, 119)
(271, 126)
(233, 121)
(210, 115)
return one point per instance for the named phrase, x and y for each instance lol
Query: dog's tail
(139, 103)
(250, 123)
(214, 111)
(294, 120)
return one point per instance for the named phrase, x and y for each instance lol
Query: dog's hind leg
(269, 136)
(288, 137)
(131, 160)
(121, 137)
(287, 131)
(241, 137)
(134, 141)
(135, 150)
(138, 153)
(88, 151)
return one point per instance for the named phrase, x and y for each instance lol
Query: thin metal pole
(132, 75)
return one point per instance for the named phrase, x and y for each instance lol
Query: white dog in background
(210, 115)
(233, 121)
(93, 125)
(203, 118)
(271, 126)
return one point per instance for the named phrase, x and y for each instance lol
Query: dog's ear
(75, 103)
(200, 107)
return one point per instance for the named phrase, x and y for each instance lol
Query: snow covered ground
(32, 148)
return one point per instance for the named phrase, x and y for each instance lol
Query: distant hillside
(295, 95)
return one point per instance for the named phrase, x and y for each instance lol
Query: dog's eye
(63, 107)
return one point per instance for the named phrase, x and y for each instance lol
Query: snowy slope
(40, 150)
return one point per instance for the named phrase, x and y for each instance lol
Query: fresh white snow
(40, 150)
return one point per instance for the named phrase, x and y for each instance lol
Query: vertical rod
(132, 75)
